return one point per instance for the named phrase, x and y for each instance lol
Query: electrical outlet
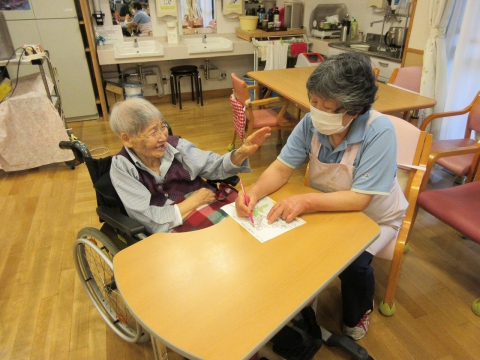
(223, 74)
(164, 79)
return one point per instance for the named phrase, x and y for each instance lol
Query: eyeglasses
(157, 131)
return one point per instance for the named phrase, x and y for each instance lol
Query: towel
(277, 54)
(262, 52)
(297, 48)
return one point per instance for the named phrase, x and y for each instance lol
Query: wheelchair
(94, 249)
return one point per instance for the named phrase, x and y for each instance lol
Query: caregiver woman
(341, 133)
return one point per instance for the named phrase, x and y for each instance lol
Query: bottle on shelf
(346, 22)
(353, 29)
(261, 14)
(270, 18)
(276, 15)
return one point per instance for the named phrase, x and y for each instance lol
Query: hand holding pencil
(245, 196)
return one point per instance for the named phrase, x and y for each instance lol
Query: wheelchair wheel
(93, 255)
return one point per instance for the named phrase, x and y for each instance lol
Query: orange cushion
(459, 165)
(458, 206)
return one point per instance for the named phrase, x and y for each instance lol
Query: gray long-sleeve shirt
(136, 197)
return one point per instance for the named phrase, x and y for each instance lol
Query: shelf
(249, 34)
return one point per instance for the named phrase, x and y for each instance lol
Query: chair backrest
(413, 148)
(408, 77)
(240, 89)
(473, 122)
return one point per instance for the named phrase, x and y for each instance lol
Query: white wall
(241, 64)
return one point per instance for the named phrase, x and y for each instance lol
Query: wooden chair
(408, 78)
(458, 206)
(412, 155)
(459, 165)
(256, 115)
(413, 149)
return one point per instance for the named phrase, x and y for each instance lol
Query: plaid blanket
(210, 214)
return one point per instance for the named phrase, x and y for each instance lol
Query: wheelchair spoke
(103, 276)
(93, 255)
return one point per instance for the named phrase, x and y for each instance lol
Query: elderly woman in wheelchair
(153, 173)
(158, 181)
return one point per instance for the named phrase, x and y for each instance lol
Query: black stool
(176, 74)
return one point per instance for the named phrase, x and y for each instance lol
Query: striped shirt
(136, 197)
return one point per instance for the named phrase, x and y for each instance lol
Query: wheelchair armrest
(232, 181)
(120, 221)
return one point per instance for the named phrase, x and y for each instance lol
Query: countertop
(174, 51)
(395, 56)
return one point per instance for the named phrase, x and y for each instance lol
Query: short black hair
(136, 5)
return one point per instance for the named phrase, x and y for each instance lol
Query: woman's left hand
(251, 144)
(288, 208)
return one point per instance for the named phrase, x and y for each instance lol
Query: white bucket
(133, 90)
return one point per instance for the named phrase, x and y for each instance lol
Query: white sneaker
(360, 330)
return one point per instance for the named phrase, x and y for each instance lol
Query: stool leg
(179, 91)
(191, 84)
(197, 89)
(200, 87)
(172, 89)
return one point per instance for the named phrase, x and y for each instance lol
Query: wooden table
(291, 84)
(219, 293)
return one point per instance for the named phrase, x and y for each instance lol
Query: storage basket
(248, 22)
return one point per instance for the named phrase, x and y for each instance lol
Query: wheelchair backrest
(99, 170)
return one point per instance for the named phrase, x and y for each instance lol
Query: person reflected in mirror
(124, 11)
(352, 152)
(160, 178)
(141, 23)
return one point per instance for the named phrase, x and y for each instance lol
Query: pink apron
(386, 211)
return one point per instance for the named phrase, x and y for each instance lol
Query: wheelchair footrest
(293, 343)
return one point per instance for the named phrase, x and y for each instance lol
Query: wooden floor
(46, 314)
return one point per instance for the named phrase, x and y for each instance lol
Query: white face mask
(326, 123)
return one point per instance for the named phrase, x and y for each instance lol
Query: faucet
(135, 42)
(374, 22)
(204, 39)
(386, 17)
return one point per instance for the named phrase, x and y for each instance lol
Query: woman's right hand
(242, 209)
(198, 198)
(202, 196)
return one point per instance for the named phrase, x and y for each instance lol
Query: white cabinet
(386, 68)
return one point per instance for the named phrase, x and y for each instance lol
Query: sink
(212, 44)
(145, 48)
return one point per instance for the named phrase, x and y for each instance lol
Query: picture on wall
(14, 5)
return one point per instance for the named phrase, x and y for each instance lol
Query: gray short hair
(346, 78)
(133, 116)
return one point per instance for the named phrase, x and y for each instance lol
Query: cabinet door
(386, 68)
(53, 9)
(68, 55)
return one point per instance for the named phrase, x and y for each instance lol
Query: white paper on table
(261, 229)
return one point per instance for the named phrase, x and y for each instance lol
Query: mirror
(123, 13)
(198, 16)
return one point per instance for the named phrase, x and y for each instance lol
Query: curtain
(463, 56)
(434, 73)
